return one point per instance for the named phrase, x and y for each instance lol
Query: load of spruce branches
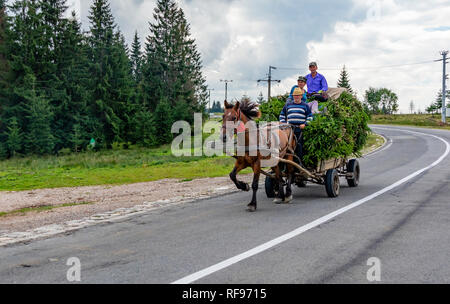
(340, 131)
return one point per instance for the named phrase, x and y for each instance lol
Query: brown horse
(240, 114)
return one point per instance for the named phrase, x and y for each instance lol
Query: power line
(269, 81)
(365, 68)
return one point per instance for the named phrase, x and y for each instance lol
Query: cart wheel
(271, 188)
(353, 167)
(332, 183)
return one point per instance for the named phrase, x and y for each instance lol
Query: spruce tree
(2, 20)
(60, 43)
(155, 69)
(162, 122)
(3, 44)
(14, 138)
(193, 88)
(49, 48)
(4, 66)
(438, 102)
(260, 98)
(104, 121)
(344, 81)
(38, 135)
(73, 73)
(30, 47)
(77, 137)
(53, 27)
(122, 86)
(23, 39)
(136, 58)
(143, 128)
(111, 71)
(172, 68)
(25, 55)
(139, 126)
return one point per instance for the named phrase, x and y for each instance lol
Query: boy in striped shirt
(298, 114)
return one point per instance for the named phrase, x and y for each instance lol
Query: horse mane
(248, 107)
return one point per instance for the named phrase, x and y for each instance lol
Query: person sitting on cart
(301, 84)
(313, 104)
(317, 84)
(299, 115)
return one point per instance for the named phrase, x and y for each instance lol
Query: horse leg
(281, 196)
(290, 170)
(240, 165)
(289, 196)
(256, 174)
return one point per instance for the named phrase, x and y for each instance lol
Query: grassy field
(106, 167)
(111, 168)
(422, 120)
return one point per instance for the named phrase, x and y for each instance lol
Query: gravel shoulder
(100, 199)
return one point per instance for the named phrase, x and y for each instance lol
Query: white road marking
(261, 248)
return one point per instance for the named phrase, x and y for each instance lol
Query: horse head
(236, 116)
(231, 116)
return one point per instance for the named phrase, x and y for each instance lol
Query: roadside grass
(116, 167)
(374, 141)
(24, 211)
(62, 175)
(418, 120)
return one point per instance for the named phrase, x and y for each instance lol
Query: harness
(291, 149)
(288, 149)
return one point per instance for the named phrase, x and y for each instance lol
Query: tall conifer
(110, 70)
(136, 58)
(172, 69)
(344, 81)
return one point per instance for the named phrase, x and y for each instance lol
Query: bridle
(239, 121)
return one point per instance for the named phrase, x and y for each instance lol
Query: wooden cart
(327, 173)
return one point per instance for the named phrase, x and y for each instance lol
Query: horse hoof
(251, 208)
(247, 188)
(288, 199)
(277, 200)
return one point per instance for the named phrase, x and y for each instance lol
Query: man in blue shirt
(317, 84)
(298, 114)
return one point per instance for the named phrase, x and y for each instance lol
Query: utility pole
(444, 89)
(209, 90)
(269, 81)
(226, 87)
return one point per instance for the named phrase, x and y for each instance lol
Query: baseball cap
(313, 64)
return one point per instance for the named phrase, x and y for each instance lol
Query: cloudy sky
(380, 41)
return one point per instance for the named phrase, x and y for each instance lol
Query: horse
(241, 113)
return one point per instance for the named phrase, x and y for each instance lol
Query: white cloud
(73, 5)
(239, 39)
(400, 34)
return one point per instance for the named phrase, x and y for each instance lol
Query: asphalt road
(406, 228)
